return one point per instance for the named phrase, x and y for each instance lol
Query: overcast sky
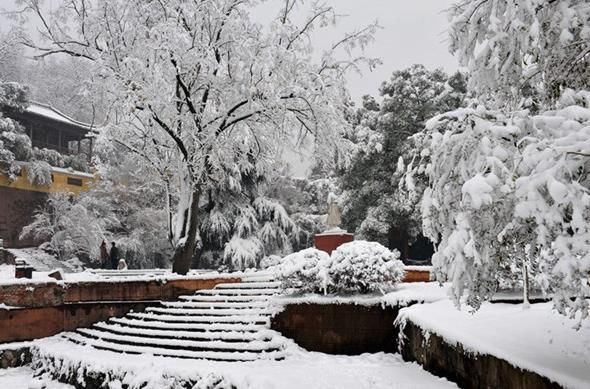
(414, 31)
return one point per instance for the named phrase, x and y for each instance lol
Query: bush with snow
(305, 269)
(359, 267)
(362, 266)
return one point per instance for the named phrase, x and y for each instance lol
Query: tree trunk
(525, 285)
(185, 248)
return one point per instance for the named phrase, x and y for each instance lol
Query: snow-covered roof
(47, 111)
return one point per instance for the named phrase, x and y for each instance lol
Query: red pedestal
(329, 241)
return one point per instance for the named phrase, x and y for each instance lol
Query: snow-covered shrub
(270, 261)
(305, 269)
(357, 266)
(362, 266)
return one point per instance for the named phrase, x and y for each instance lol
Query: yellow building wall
(60, 182)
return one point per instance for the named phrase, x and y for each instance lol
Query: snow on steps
(228, 323)
(230, 355)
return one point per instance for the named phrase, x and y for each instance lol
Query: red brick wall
(47, 309)
(16, 211)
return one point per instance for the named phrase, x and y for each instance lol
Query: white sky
(414, 31)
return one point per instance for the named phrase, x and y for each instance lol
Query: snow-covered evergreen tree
(374, 208)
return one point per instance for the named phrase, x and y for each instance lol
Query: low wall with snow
(36, 310)
(350, 329)
(468, 370)
(25, 294)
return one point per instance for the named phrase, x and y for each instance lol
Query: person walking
(114, 256)
(104, 255)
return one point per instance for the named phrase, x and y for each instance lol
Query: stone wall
(339, 328)
(33, 323)
(59, 293)
(47, 309)
(468, 370)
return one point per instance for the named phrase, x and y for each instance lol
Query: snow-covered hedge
(358, 267)
(362, 266)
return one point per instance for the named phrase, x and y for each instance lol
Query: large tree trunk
(185, 248)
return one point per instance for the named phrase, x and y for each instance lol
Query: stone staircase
(228, 323)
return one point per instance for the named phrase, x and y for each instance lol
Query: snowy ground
(535, 339)
(301, 369)
(22, 378)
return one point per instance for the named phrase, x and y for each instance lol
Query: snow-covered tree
(195, 82)
(374, 207)
(11, 56)
(241, 225)
(306, 201)
(524, 51)
(508, 200)
(15, 145)
(124, 205)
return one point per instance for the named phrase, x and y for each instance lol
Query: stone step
(257, 319)
(214, 305)
(224, 298)
(226, 335)
(209, 355)
(209, 312)
(192, 327)
(250, 285)
(180, 344)
(239, 292)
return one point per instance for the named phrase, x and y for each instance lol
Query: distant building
(51, 129)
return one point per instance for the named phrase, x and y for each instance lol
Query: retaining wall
(47, 309)
(339, 328)
(355, 329)
(468, 370)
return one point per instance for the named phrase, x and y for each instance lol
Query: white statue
(334, 215)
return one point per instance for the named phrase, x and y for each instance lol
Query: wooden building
(51, 129)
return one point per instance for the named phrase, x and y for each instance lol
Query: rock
(57, 274)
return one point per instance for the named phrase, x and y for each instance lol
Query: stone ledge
(468, 370)
(52, 294)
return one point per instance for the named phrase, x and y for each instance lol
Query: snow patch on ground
(22, 378)
(536, 339)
